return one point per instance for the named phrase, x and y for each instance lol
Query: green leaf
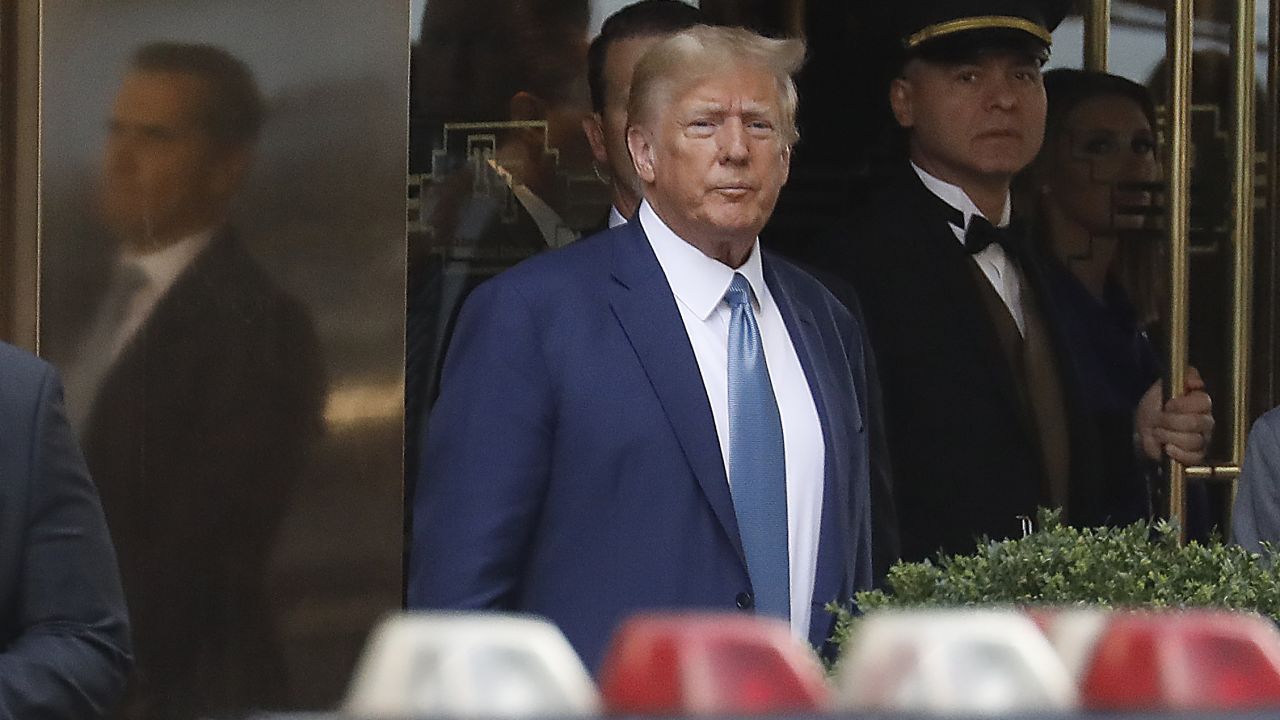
(1142, 565)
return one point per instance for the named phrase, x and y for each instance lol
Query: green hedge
(1141, 565)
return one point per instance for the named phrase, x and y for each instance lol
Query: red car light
(1196, 660)
(704, 664)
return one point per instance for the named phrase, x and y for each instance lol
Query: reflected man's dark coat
(196, 437)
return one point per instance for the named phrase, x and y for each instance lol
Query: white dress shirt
(699, 284)
(112, 328)
(615, 217)
(555, 231)
(999, 270)
(161, 268)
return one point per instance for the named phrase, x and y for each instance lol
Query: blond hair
(690, 56)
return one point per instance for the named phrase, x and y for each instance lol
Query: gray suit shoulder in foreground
(1256, 515)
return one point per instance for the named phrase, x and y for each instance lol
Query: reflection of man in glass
(197, 388)
(491, 63)
(624, 38)
(514, 72)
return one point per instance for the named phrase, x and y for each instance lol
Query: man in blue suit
(64, 637)
(662, 415)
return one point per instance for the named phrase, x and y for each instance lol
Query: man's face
(714, 159)
(163, 176)
(979, 121)
(607, 131)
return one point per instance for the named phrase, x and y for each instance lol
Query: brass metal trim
(1178, 162)
(1226, 472)
(1242, 54)
(981, 22)
(1272, 170)
(1097, 34)
(20, 196)
(795, 19)
(8, 147)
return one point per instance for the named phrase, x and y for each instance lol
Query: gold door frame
(1178, 221)
(334, 561)
(1177, 170)
(20, 22)
(1272, 170)
(1243, 164)
(1097, 34)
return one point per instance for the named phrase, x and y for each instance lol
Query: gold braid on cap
(982, 22)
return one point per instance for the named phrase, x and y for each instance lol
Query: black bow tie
(981, 234)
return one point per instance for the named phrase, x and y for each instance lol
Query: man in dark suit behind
(198, 389)
(624, 38)
(985, 423)
(64, 636)
(499, 193)
(589, 456)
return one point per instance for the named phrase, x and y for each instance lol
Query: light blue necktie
(757, 473)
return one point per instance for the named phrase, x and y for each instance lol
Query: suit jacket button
(745, 601)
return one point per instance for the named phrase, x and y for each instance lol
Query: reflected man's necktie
(97, 350)
(757, 473)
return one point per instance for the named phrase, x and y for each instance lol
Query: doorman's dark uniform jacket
(965, 449)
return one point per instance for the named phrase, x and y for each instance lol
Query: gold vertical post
(1272, 147)
(8, 144)
(20, 176)
(1097, 34)
(1242, 51)
(1177, 207)
(795, 19)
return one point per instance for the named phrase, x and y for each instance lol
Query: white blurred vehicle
(469, 665)
(984, 662)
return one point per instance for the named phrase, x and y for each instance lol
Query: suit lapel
(128, 382)
(835, 540)
(1081, 432)
(959, 286)
(642, 301)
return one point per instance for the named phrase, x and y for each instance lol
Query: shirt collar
(555, 231)
(698, 282)
(957, 198)
(615, 217)
(162, 267)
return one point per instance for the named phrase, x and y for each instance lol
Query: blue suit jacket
(64, 638)
(571, 466)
